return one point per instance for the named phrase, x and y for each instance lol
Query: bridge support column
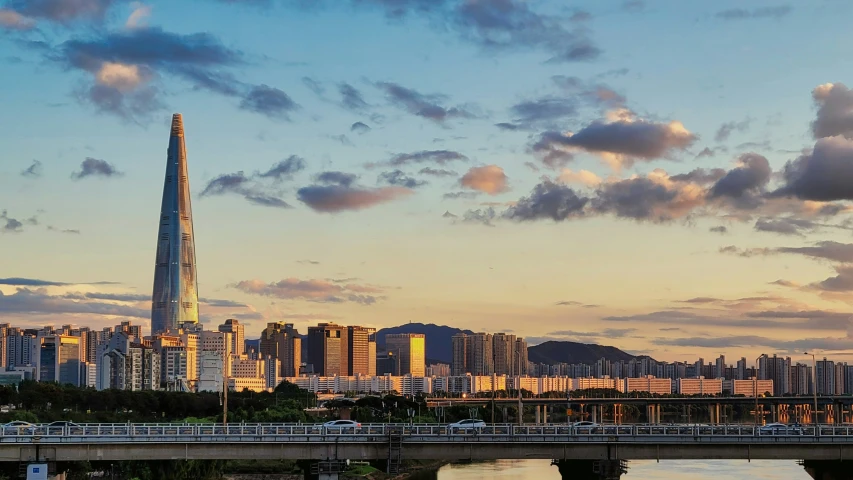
(829, 469)
(594, 413)
(591, 469)
(325, 470)
(545, 414)
(538, 414)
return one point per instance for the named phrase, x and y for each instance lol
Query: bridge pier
(538, 414)
(591, 469)
(829, 469)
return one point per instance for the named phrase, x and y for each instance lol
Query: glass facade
(410, 350)
(175, 293)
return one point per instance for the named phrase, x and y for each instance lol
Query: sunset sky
(672, 178)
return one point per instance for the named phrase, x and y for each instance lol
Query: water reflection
(637, 470)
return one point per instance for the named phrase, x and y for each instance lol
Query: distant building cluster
(787, 378)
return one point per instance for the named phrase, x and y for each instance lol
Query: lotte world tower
(175, 299)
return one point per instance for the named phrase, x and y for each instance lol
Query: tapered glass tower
(175, 299)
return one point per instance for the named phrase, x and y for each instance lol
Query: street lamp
(814, 382)
(755, 387)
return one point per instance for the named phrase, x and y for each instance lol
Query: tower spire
(175, 293)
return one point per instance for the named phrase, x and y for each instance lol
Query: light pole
(755, 387)
(814, 383)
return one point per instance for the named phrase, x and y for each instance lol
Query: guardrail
(279, 432)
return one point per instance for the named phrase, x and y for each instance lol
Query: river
(637, 470)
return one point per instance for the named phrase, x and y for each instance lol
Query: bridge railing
(292, 430)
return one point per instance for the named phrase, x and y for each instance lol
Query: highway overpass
(830, 444)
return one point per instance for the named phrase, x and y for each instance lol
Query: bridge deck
(282, 441)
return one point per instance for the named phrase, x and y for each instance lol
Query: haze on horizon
(671, 178)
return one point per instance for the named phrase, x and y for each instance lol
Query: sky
(672, 178)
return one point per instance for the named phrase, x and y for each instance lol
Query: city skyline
(334, 183)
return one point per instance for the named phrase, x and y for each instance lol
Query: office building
(358, 350)
(175, 292)
(328, 349)
(388, 363)
(238, 335)
(410, 348)
(282, 342)
(59, 359)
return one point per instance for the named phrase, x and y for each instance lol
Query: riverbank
(413, 469)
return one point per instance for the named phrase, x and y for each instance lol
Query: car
(62, 423)
(585, 423)
(18, 423)
(469, 424)
(780, 429)
(341, 424)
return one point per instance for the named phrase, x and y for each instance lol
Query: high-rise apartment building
(777, 369)
(481, 360)
(459, 362)
(503, 346)
(175, 292)
(328, 349)
(410, 349)
(825, 375)
(238, 335)
(282, 342)
(59, 359)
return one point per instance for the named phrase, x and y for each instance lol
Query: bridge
(830, 409)
(598, 452)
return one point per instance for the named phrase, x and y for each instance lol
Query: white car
(469, 424)
(341, 425)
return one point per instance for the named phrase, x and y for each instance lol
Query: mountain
(553, 352)
(438, 343)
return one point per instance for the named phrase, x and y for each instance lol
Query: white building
(700, 386)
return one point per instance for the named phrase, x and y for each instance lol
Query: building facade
(410, 349)
(175, 292)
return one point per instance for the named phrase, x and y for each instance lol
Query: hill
(438, 343)
(553, 352)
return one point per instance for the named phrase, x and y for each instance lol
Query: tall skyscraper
(358, 350)
(410, 348)
(175, 298)
(459, 363)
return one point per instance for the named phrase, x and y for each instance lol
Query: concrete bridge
(597, 452)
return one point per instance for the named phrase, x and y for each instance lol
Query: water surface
(637, 470)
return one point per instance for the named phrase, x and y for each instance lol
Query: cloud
(31, 282)
(829, 250)
(322, 291)
(835, 111)
(582, 177)
(337, 198)
(360, 128)
(93, 167)
(138, 16)
(785, 225)
(455, 195)
(843, 282)
(71, 231)
(719, 229)
(510, 24)
(785, 283)
(314, 86)
(700, 176)
(825, 174)
(745, 184)
(437, 172)
(285, 169)
(351, 98)
(439, 157)
(548, 200)
(336, 178)
(572, 303)
(238, 183)
(489, 179)
(654, 198)
(620, 142)
(399, 178)
(727, 128)
(731, 318)
(778, 11)
(126, 66)
(39, 302)
(62, 11)
(33, 171)
(269, 101)
(422, 105)
(12, 20)
(539, 112)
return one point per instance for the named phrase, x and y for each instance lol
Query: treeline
(40, 402)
